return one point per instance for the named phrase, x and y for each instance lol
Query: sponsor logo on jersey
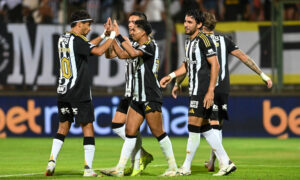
(75, 111)
(61, 89)
(210, 52)
(224, 107)
(194, 104)
(215, 108)
(65, 110)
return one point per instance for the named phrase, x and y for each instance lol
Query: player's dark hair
(196, 14)
(141, 15)
(145, 25)
(79, 15)
(210, 21)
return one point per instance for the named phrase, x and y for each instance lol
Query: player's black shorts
(221, 100)
(145, 107)
(196, 108)
(82, 112)
(124, 105)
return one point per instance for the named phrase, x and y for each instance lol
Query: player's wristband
(264, 76)
(120, 38)
(112, 35)
(103, 34)
(172, 75)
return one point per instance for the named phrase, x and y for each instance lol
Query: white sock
(136, 154)
(127, 149)
(120, 131)
(89, 151)
(166, 147)
(214, 141)
(56, 146)
(212, 154)
(191, 148)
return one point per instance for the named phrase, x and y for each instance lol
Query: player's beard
(191, 32)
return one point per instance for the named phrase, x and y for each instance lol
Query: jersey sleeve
(230, 45)
(83, 47)
(207, 46)
(147, 49)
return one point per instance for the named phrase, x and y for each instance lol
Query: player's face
(190, 25)
(137, 33)
(131, 23)
(85, 28)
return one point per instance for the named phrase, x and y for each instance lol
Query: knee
(130, 131)
(157, 132)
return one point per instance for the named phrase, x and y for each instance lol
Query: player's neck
(143, 40)
(76, 31)
(194, 35)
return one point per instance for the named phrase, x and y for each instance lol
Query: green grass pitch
(255, 158)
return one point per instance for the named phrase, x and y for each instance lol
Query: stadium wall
(249, 117)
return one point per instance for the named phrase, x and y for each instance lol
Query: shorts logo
(191, 111)
(75, 111)
(65, 110)
(147, 108)
(215, 108)
(224, 107)
(194, 104)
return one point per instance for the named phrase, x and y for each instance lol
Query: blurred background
(267, 30)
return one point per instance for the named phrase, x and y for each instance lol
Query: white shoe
(171, 173)
(50, 168)
(184, 172)
(112, 172)
(225, 170)
(89, 173)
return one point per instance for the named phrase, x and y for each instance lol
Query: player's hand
(175, 91)
(266, 79)
(116, 28)
(208, 99)
(165, 81)
(108, 27)
(269, 83)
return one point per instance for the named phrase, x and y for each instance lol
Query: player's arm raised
(252, 65)
(107, 27)
(121, 53)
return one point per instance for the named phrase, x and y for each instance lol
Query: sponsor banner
(249, 117)
(254, 38)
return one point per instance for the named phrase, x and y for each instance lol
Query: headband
(82, 20)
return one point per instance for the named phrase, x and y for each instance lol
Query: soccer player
(74, 92)
(119, 118)
(225, 47)
(202, 66)
(147, 96)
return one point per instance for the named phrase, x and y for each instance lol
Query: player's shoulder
(150, 43)
(206, 39)
(79, 37)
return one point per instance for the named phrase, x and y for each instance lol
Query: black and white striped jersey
(224, 47)
(197, 51)
(146, 85)
(74, 81)
(129, 74)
